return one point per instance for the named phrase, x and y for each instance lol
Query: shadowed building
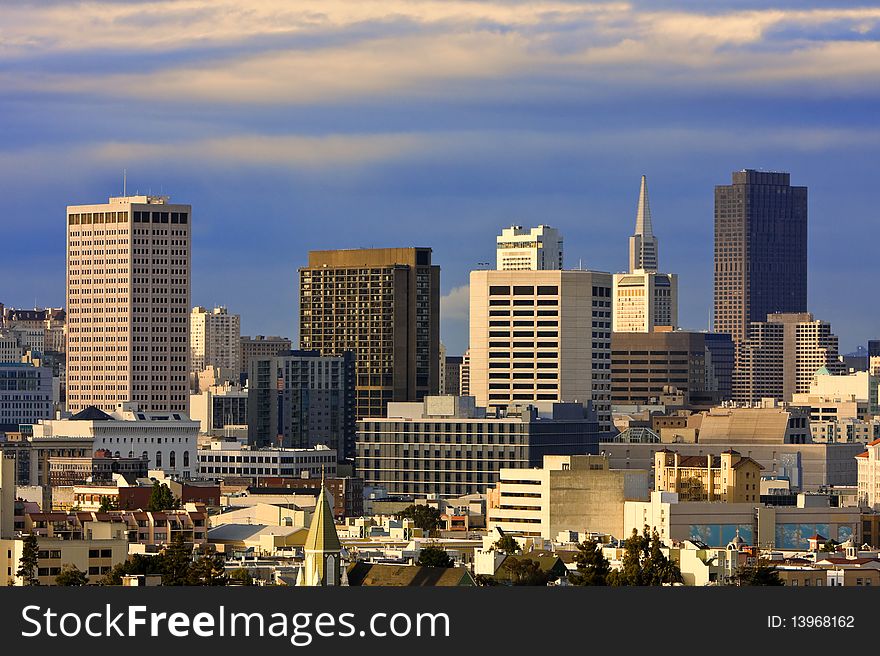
(383, 304)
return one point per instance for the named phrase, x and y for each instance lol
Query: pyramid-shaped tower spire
(643, 244)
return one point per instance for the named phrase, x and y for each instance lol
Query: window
(172, 459)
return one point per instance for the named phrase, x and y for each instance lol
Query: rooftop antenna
(124, 182)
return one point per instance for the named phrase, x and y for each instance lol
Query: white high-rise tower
(128, 299)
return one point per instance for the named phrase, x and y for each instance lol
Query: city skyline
(515, 115)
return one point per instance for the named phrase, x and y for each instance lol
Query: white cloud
(454, 305)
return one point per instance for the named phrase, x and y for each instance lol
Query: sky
(292, 126)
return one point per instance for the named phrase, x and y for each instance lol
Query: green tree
(761, 573)
(644, 562)
(176, 562)
(71, 575)
(108, 503)
(27, 566)
(525, 571)
(432, 556)
(424, 517)
(240, 576)
(507, 544)
(208, 570)
(592, 566)
(136, 564)
(161, 498)
(829, 546)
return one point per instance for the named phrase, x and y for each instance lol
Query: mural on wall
(719, 535)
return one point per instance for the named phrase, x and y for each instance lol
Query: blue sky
(292, 126)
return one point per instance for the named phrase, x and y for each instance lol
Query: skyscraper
(644, 299)
(215, 340)
(528, 249)
(541, 336)
(643, 244)
(383, 304)
(760, 250)
(128, 299)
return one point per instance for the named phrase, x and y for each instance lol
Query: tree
(161, 498)
(525, 571)
(644, 562)
(176, 562)
(432, 556)
(27, 565)
(761, 573)
(71, 575)
(424, 517)
(592, 566)
(136, 564)
(240, 576)
(208, 570)
(507, 544)
(829, 546)
(108, 503)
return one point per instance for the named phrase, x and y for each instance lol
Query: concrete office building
(128, 299)
(874, 357)
(859, 387)
(300, 399)
(760, 250)
(231, 459)
(529, 249)
(697, 364)
(568, 493)
(452, 382)
(541, 336)
(384, 305)
(26, 394)
(448, 445)
(464, 379)
(781, 356)
(215, 340)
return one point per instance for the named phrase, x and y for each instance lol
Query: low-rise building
(728, 477)
(233, 459)
(26, 394)
(447, 446)
(569, 493)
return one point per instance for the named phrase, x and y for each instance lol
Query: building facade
(26, 394)
(128, 299)
(449, 447)
(643, 364)
(645, 301)
(529, 249)
(219, 407)
(760, 250)
(643, 251)
(727, 478)
(568, 493)
(300, 399)
(383, 304)
(541, 336)
(231, 459)
(261, 346)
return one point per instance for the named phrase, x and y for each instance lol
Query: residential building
(874, 357)
(347, 492)
(232, 459)
(215, 341)
(384, 305)
(529, 249)
(100, 468)
(760, 250)
(261, 346)
(452, 382)
(449, 446)
(541, 336)
(868, 463)
(568, 493)
(859, 388)
(780, 357)
(299, 399)
(26, 394)
(41, 328)
(96, 557)
(727, 478)
(644, 363)
(464, 379)
(128, 299)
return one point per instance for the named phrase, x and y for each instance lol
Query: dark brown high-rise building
(760, 250)
(383, 304)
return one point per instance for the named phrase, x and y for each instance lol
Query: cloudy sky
(292, 126)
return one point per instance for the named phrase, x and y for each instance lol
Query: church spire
(643, 244)
(322, 547)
